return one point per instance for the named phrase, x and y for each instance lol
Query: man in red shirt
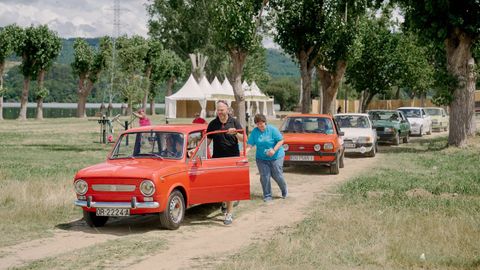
(198, 119)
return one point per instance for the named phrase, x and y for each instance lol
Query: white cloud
(73, 18)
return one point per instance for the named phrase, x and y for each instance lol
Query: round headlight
(81, 187)
(328, 146)
(285, 147)
(147, 188)
(317, 147)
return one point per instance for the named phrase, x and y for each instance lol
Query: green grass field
(422, 198)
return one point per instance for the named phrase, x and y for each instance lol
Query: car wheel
(429, 131)
(372, 152)
(341, 165)
(335, 167)
(396, 141)
(421, 131)
(174, 212)
(93, 220)
(406, 139)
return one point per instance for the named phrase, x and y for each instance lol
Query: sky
(76, 18)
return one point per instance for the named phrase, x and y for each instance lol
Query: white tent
(258, 102)
(222, 91)
(186, 101)
(209, 91)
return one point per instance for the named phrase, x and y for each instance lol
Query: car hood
(384, 123)
(132, 168)
(438, 118)
(309, 138)
(356, 132)
(418, 121)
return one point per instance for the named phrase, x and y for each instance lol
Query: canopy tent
(186, 101)
(208, 90)
(222, 92)
(258, 102)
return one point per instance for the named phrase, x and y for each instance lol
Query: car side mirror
(341, 133)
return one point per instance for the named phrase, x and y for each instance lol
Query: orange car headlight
(328, 146)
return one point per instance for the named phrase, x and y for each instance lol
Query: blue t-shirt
(266, 140)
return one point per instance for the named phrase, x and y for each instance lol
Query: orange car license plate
(301, 158)
(113, 212)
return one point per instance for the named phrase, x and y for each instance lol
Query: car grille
(380, 128)
(300, 148)
(114, 188)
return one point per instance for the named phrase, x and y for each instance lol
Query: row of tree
(337, 39)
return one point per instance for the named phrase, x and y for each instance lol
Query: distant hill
(280, 65)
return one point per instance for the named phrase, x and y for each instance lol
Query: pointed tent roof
(256, 91)
(189, 91)
(206, 87)
(227, 87)
(246, 89)
(217, 87)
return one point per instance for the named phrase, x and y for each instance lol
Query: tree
(88, 65)
(47, 46)
(285, 92)
(8, 37)
(151, 60)
(131, 62)
(236, 23)
(298, 27)
(456, 25)
(338, 38)
(371, 70)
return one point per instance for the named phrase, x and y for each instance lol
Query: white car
(360, 137)
(420, 121)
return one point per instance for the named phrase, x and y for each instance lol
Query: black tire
(396, 141)
(174, 212)
(421, 131)
(342, 164)
(406, 139)
(372, 152)
(93, 220)
(335, 166)
(429, 131)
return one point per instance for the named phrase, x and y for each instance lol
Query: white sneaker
(228, 219)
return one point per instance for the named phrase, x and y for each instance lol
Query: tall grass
(418, 209)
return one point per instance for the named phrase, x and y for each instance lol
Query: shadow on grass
(64, 148)
(421, 145)
(308, 169)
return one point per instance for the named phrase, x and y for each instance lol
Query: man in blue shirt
(269, 155)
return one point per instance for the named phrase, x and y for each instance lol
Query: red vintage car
(313, 139)
(160, 170)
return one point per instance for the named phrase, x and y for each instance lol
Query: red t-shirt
(199, 120)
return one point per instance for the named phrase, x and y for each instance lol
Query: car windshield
(411, 113)
(308, 125)
(352, 121)
(383, 115)
(434, 111)
(152, 144)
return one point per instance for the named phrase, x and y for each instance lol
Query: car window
(308, 125)
(411, 113)
(153, 144)
(434, 111)
(352, 121)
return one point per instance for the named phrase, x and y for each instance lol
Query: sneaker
(228, 219)
(267, 199)
(284, 195)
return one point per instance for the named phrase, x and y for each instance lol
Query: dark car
(392, 126)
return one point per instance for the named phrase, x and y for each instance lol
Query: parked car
(312, 139)
(160, 170)
(392, 126)
(359, 134)
(440, 119)
(420, 121)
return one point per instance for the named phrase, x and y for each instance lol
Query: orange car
(160, 170)
(311, 139)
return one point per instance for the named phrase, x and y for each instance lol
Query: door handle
(242, 162)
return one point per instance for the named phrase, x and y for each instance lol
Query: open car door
(218, 179)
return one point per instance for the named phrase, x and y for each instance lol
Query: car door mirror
(341, 133)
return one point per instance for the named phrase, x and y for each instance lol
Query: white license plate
(350, 145)
(301, 158)
(113, 212)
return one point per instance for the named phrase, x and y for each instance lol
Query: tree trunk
(366, 101)
(458, 46)
(148, 74)
(471, 85)
(82, 97)
(2, 68)
(238, 59)
(152, 106)
(40, 80)
(170, 83)
(24, 99)
(306, 68)
(330, 84)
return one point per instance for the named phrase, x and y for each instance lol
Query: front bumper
(386, 137)
(133, 204)
(319, 158)
(415, 130)
(361, 148)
